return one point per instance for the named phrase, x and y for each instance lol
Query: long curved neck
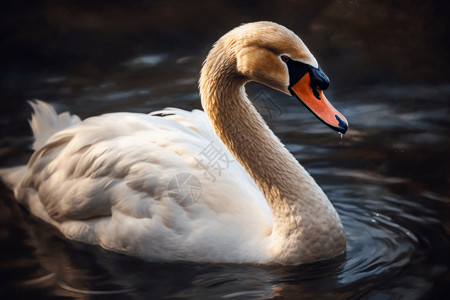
(301, 211)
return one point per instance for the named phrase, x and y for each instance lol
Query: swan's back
(164, 186)
(109, 180)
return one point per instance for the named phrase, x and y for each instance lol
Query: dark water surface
(388, 177)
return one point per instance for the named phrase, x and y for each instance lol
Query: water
(389, 182)
(393, 210)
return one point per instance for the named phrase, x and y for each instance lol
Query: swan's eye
(285, 58)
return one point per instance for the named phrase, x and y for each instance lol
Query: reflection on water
(394, 214)
(390, 252)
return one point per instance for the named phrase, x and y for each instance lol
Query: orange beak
(314, 99)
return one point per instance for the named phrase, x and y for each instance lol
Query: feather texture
(214, 186)
(114, 188)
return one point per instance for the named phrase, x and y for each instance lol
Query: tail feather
(11, 177)
(45, 122)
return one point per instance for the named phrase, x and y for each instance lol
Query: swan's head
(273, 55)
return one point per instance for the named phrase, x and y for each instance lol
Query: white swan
(213, 186)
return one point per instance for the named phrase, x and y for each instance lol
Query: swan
(205, 186)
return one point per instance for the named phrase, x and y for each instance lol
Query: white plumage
(114, 187)
(214, 186)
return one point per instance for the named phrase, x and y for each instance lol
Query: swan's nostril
(319, 84)
(315, 90)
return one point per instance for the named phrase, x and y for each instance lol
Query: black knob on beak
(319, 79)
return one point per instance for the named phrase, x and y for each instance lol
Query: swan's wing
(147, 185)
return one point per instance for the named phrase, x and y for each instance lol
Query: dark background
(386, 49)
(358, 42)
(391, 55)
